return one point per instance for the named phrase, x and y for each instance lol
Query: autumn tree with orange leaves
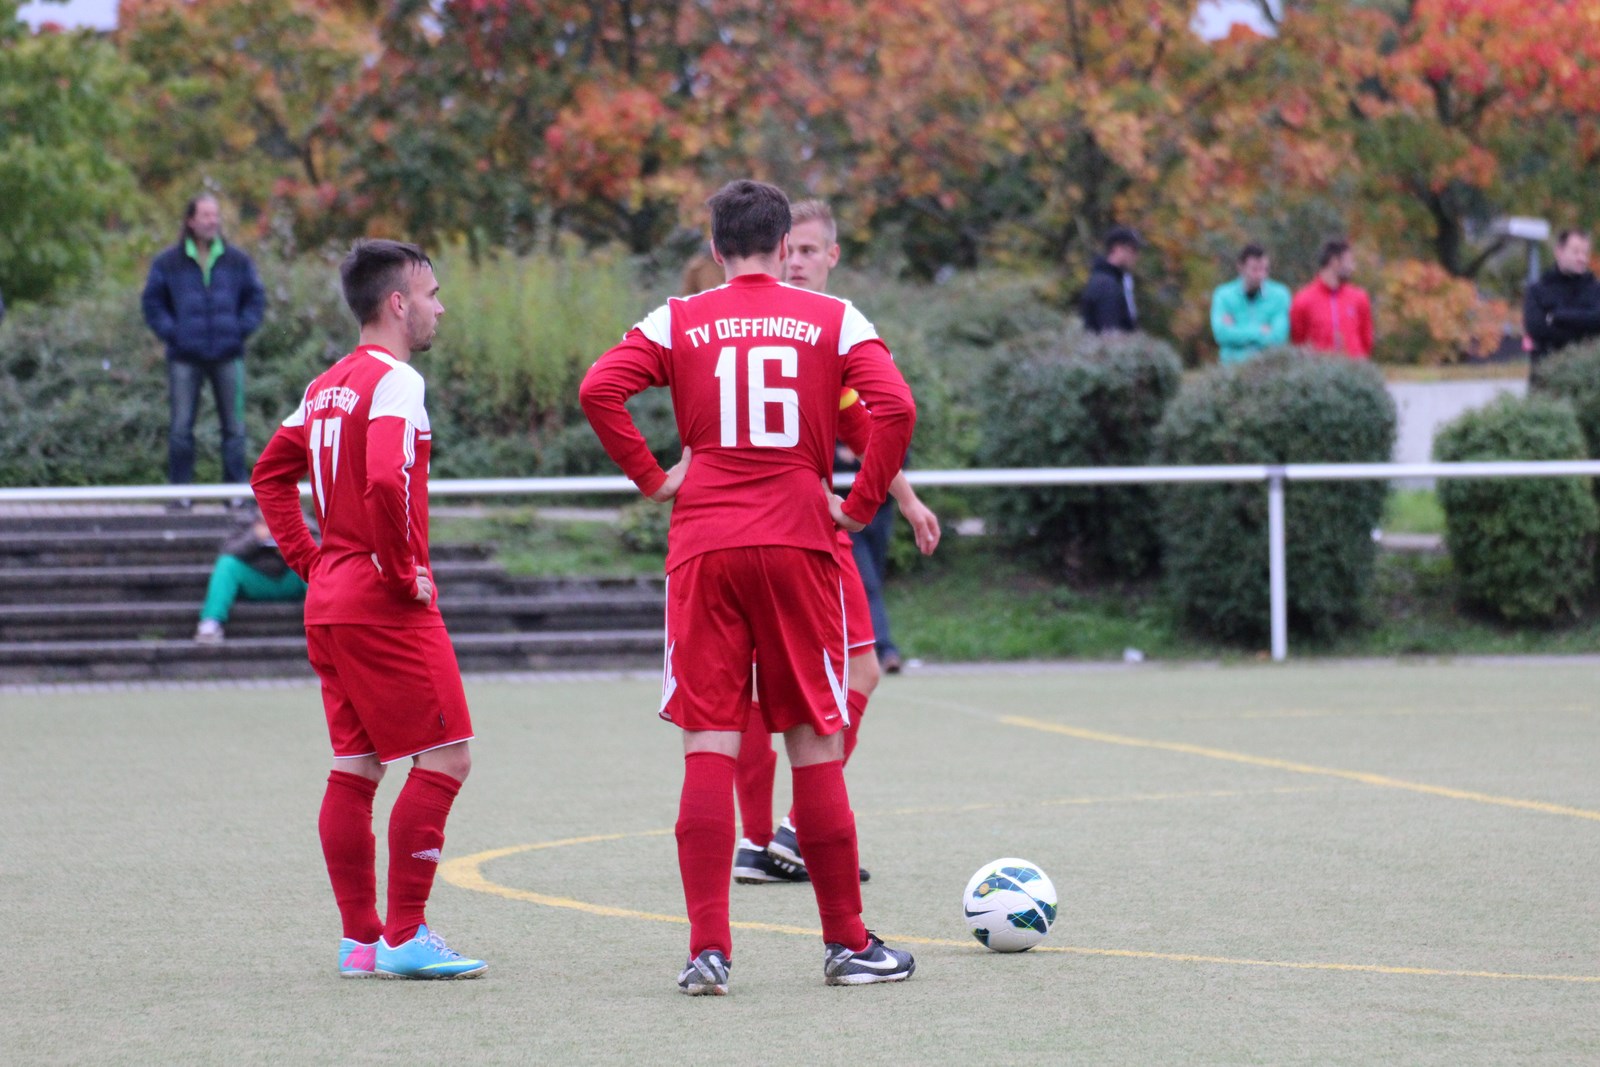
(236, 98)
(949, 133)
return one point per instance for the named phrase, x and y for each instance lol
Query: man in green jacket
(1251, 312)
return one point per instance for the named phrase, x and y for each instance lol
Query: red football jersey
(756, 369)
(363, 434)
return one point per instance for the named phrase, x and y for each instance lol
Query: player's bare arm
(855, 433)
(924, 523)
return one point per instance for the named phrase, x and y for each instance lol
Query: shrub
(1573, 375)
(1076, 400)
(643, 527)
(522, 330)
(502, 378)
(1522, 547)
(79, 374)
(1282, 407)
(945, 338)
(75, 379)
(1430, 316)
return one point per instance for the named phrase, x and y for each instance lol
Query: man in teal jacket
(1251, 312)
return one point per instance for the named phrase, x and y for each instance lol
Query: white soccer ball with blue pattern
(1010, 905)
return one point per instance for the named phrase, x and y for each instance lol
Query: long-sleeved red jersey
(756, 369)
(363, 435)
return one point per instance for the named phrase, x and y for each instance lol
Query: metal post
(1277, 565)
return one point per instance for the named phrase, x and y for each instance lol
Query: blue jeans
(871, 548)
(183, 390)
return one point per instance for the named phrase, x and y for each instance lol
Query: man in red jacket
(1330, 314)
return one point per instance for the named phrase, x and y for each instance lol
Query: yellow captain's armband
(848, 397)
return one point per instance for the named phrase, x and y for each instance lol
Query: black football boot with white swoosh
(875, 963)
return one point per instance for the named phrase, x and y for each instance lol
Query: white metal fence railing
(1274, 475)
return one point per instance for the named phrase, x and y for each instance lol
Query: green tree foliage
(239, 98)
(61, 101)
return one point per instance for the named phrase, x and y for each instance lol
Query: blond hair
(701, 273)
(814, 211)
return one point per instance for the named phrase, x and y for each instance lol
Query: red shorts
(857, 612)
(389, 691)
(783, 606)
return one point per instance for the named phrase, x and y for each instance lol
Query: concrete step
(115, 519)
(187, 581)
(560, 609)
(143, 548)
(38, 662)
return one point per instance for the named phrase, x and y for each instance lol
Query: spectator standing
(250, 567)
(1251, 312)
(1563, 306)
(204, 300)
(1107, 303)
(1330, 314)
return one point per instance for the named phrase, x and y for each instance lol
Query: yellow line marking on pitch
(1380, 780)
(1129, 798)
(467, 873)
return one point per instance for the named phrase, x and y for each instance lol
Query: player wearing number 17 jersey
(390, 684)
(755, 368)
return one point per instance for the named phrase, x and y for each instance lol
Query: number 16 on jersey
(760, 396)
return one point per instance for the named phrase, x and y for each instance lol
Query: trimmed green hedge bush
(1282, 407)
(1522, 547)
(1573, 375)
(1072, 399)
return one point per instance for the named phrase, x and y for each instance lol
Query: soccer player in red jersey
(755, 368)
(391, 687)
(764, 854)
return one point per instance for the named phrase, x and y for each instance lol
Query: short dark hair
(1122, 235)
(748, 218)
(1566, 235)
(1331, 250)
(374, 269)
(190, 208)
(1251, 251)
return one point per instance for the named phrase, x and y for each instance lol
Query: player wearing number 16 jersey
(390, 684)
(755, 368)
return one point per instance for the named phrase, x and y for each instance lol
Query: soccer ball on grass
(1010, 905)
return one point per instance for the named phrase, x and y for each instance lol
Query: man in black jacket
(204, 300)
(1107, 303)
(1563, 306)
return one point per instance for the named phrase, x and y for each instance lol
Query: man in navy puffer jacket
(204, 300)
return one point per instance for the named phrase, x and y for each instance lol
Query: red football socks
(705, 848)
(827, 831)
(345, 827)
(758, 762)
(416, 837)
(857, 703)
